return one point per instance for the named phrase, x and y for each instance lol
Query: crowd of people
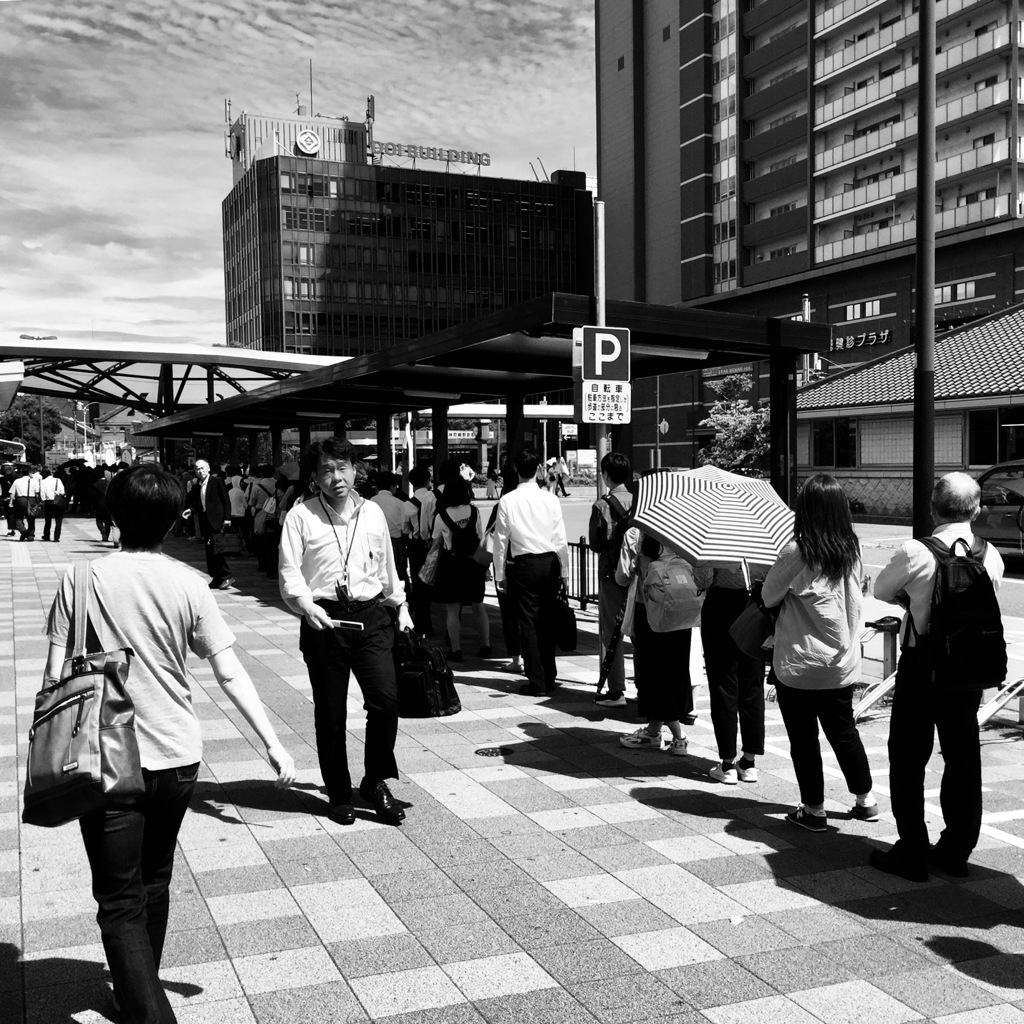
(357, 559)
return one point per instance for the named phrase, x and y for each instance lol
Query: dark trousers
(131, 854)
(216, 564)
(735, 681)
(661, 671)
(509, 625)
(611, 601)
(54, 515)
(331, 655)
(401, 559)
(419, 603)
(104, 522)
(802, 710)
(919, 711)
(533, 586)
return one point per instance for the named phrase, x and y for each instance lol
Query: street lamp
(42, 444)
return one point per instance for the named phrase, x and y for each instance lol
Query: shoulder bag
(564, 621)
(83, 754)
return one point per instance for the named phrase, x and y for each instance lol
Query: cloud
(114, 173)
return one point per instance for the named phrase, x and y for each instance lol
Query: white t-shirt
(237, 497)
(161, 610)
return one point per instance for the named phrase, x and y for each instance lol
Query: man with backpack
(609, 520)
(953, 648)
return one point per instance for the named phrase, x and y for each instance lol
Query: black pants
(131, 856)
(419, 602)
(919, 711)
(331, 655)
(54, 515)
(661, 671)
(735, 681)
(216, 564)
(802, 710)
(509, 625)
(533, 586)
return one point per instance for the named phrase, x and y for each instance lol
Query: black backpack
(622, 520)
(464, 537)
(966, 632)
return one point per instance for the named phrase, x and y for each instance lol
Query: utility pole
(603, 439)
(924, 283)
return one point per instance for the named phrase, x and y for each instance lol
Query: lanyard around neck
(351, 530)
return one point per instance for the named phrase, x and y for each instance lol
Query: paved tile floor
(570, 880)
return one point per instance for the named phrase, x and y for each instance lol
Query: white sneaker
(746, 774)
(641, 738)
(679, 747)
(606, 700)
(730, 777)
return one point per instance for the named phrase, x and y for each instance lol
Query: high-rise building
(751, 152)
(330, 250)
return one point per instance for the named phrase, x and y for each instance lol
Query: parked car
(1001, 521)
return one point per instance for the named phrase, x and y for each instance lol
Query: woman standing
(816, 660)
(460, 579)
(161, 610)
(661, 661)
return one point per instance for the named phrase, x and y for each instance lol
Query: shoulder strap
(415, 502)
(80, 599)
(447, 519)
(616, 507)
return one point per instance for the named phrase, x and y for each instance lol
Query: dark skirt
(459, 580)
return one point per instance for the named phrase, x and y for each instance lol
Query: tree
(742, 442)
(21, 422)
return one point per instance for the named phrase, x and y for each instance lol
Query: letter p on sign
(606, 353)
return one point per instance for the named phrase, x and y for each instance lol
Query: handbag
(83, 753)
(428, 572)
(59, 502)
(227, 543)
(484, 553)
(564, 621)
(35, 506)
(426, 687)
(754, 626)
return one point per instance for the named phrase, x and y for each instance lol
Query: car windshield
(1003, 487)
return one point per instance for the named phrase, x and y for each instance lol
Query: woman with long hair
(816, 661)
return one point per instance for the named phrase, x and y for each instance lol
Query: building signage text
(606, 403)
(860, 340)
(455, 156)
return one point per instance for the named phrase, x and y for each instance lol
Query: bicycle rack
(1000, 700)
(889, 627)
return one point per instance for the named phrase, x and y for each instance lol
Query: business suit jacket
(218, 504)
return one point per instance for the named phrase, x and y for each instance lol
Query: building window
(983, 437)
(860, 310)
(834, 443)
(960, 292)
(984, 140)
(622, 63)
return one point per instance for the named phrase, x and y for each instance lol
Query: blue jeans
(131, 854)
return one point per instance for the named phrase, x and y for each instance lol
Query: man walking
(606, 535)
(394, 512)
(212, 509)
(531, 557)
(337, 570)
(416, 528)
(922, 706)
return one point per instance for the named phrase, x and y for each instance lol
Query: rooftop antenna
(547, 177)
(532, 168)
(227, 110)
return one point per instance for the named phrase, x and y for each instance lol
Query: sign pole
(603, 439)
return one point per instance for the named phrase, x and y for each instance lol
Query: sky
(112, 115)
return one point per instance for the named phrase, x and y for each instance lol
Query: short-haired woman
(159, 608)
(816, 660)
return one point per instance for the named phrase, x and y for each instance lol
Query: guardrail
(583, 581)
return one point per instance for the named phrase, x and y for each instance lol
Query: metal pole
(924, 299)
(42, 446)
(603, 438)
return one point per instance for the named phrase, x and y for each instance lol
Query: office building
(329, 249)
(751, 154)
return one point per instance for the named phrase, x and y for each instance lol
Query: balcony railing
(947, 220)
(994, 96)
(866, 48)
(856, 101)
(840, 12)
(974, 48)
(947, 8)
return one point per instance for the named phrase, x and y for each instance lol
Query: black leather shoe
(529, 690)
(383, 802)
(343, 814)
(895, 864)
(953, 866)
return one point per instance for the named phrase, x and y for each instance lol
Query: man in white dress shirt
(531, 557)
(337, 564)
(921, 707)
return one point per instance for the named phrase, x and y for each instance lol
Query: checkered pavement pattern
(567, 880)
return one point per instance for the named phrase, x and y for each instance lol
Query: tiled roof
(984, 358)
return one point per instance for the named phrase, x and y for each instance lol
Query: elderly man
(921, 706)
(212, 508)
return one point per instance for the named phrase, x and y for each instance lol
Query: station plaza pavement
(569, 880)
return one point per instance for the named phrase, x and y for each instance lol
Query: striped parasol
(714, 517)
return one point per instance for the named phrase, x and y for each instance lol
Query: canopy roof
(154, 380)
(525, 349)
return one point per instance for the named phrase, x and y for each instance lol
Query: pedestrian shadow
(61, 990)
(215, 799)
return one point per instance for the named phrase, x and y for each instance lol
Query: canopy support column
(439, 427)
(383, 424)
(515, 423)
(341, 428)
(276, 457)
(304, 436)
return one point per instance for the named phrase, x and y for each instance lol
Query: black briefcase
(426, 686)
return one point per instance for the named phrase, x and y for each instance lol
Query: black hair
(419, 476)
(145, 502)
(456, 492)
(616, 467)
(336, 448)
(526, 462)
(447, 472)
(823, 528)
